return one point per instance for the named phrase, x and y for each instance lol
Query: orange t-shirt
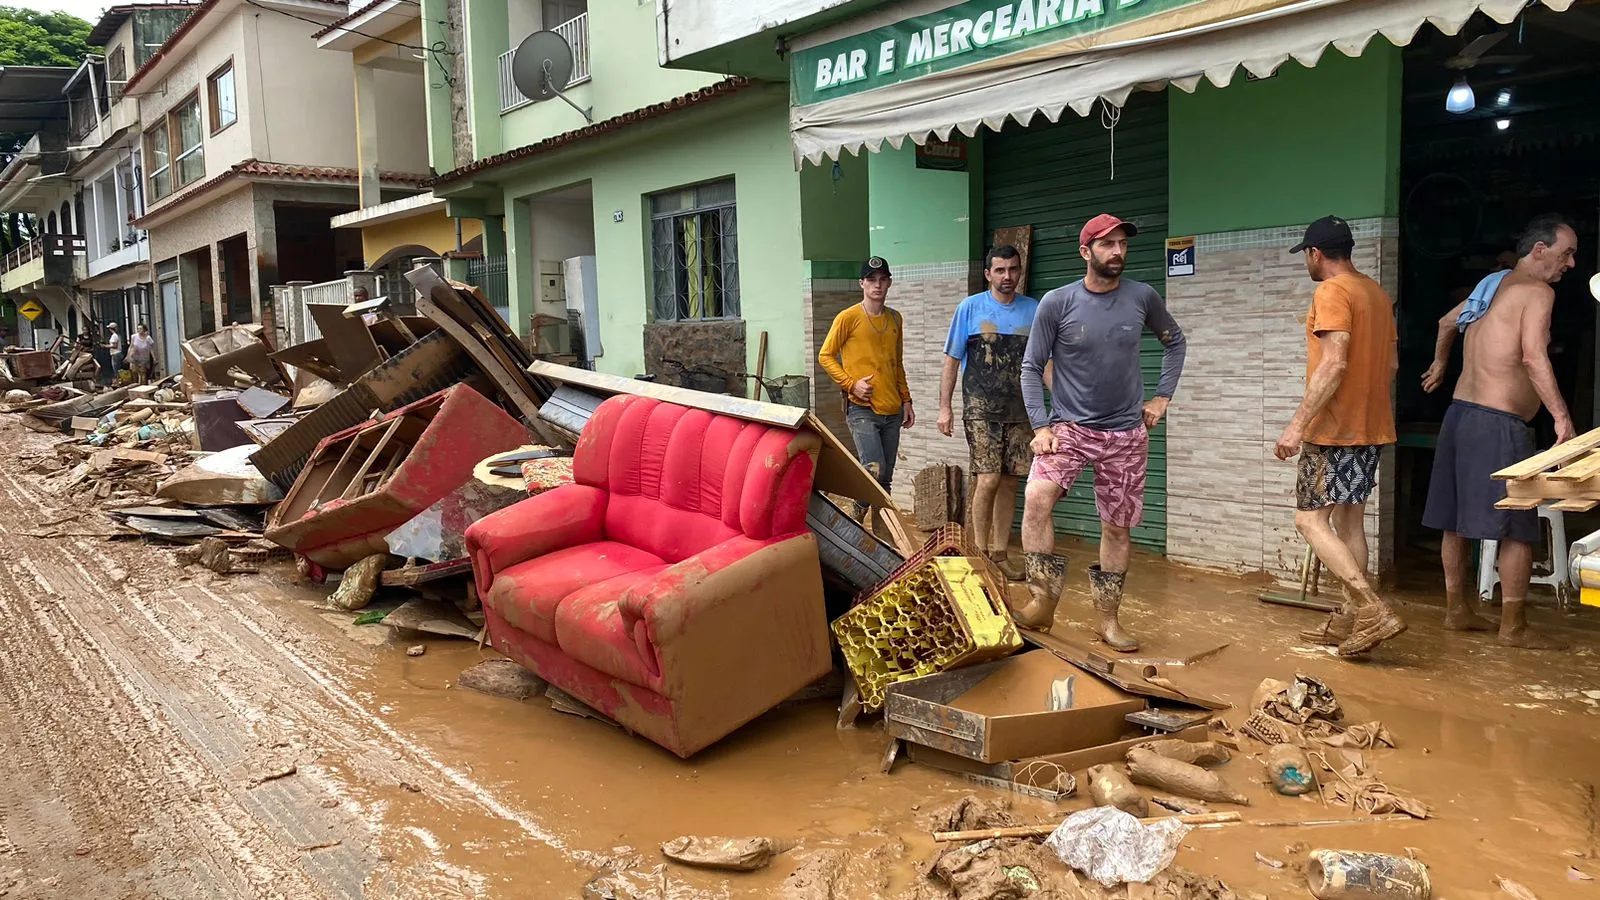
(1361, 412)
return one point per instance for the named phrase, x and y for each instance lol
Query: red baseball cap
(1102, 225)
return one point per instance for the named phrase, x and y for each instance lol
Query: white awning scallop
(986, 96)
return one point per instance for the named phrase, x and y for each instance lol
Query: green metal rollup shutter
(1055, 177)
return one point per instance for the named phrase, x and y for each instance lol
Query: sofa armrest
(745, 609)
(565, 517)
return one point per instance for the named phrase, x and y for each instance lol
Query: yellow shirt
(859, 345)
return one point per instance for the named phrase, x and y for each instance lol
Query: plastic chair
(1553, 573)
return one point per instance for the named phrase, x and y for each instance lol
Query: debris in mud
(1305, 711)
(1576, 874)
(733, 854)
(1174, 777)
(359, 583)
(1355, 788)
(320, 845)
(1109, 786)
(1112, 847)
(502, 678)
(1354, 875)
(274, 775)
(1269, 862)
(970, 813)
(816, 878)
(1513, 889)
(416, 650)
(1195, 753)
(1180, 805)
(1018, 869)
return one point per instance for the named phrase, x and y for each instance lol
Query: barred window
(694, 240)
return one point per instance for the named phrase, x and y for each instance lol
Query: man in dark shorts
(1089, 331)
(988, 333)
(1505, 376)
(1340, 428)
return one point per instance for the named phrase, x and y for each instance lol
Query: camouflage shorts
(999, 448)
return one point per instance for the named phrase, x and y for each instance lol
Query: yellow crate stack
(941, 615)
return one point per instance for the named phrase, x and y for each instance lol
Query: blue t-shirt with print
(989, 338)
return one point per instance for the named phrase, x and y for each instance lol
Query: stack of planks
(1568, 473)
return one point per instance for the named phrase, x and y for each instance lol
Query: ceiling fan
(1473, 54)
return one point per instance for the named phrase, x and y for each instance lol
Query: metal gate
(1055, 178)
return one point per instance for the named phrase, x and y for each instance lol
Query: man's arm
(1040, 349)
(900, 361)
(947, 393)
(1443, 343)
(1320, 389)
(1536, 359)
(828, 356)
(1161, 323)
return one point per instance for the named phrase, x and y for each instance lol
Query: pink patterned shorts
(1120, 460)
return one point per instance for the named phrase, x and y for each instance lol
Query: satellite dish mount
(542, 66)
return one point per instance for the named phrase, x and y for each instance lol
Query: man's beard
(1107, 268)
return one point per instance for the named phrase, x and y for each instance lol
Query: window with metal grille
(694, 241)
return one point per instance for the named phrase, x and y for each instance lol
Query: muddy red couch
(674, 586)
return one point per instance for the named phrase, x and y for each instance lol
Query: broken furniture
(364, 482)
(210, 358)
(674, 586)
(852, 557)
(1032, 704)
(28, 365)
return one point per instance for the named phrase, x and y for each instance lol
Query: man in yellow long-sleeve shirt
(864, 354)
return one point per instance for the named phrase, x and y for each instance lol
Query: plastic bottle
(1352, 875)
(1290, 770)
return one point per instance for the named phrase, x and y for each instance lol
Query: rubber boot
(1107, 588)
(1046, 572)
(1002, 561)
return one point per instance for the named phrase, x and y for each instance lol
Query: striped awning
(1210, 40)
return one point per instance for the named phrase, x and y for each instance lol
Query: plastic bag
(1113, 847)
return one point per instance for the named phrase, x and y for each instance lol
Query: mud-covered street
(168, 732)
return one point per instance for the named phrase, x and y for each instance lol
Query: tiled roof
(254, 168)
(178, 35)
(354, 15)
(722, 88)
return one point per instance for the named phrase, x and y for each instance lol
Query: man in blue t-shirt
(987, 337)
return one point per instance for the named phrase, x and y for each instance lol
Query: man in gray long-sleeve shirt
(1090, 331)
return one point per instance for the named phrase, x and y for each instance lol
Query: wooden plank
(316, 499)
(1530, 488)
(1130, 677)
(1520, 503)
(354, 489)
(723, 404)
(1579, 470)
(1575, 506)
(1555, 456)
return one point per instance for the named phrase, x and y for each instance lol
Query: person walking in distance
(988, 334)
(864, 353)
(1089, 331)
(141, 353)
(1340, 428)
(1505, 376)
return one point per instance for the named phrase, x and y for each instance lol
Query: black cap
(875, 264)
(1328, 231)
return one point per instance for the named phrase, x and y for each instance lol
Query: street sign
(33, 309)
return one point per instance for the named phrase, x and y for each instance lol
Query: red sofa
(674, 586)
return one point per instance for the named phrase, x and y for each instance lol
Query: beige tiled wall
(926, 296)
(1230, 502)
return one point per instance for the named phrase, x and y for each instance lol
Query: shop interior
(1499, 124)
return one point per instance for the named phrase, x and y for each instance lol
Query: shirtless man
(1505, 376)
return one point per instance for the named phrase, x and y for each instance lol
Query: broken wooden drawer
(362, 483)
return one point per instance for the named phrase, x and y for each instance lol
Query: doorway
(1518, 141)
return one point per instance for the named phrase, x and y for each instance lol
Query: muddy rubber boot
(1046, 572)
(1107, 588)
(1002, 561)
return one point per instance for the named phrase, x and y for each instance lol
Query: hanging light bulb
(1502, 124)
(1460, 99)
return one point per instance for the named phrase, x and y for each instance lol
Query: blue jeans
(877, 439)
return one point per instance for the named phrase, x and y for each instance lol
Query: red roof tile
(722, 88)
(354, 15)
(254, 168)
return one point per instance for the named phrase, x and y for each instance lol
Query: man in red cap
(1090, 331)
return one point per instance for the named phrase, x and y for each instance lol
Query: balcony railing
(576, 32)
(44, 245)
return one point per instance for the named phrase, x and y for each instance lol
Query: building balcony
(49, 259)
(576, 33)
(133, 253)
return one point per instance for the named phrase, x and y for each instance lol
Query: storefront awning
(831, 113)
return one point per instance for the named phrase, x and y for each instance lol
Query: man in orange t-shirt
(1340, 427)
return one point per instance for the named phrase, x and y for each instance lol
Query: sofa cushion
(529, 594)
(590, 628)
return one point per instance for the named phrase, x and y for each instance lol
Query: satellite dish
(542, 66)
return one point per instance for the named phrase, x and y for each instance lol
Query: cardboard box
(1001, 711)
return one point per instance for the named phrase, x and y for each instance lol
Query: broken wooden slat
(1575, 506)
(1519, 503)
(354, 489)
(1555, 456)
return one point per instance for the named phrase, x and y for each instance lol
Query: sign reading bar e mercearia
(961, 35)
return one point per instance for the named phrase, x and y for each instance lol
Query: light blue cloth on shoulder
(1478, 302)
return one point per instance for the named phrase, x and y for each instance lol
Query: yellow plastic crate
(941, 615)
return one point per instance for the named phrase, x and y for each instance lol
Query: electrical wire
(370, 37)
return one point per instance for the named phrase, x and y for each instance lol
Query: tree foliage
(29, 38)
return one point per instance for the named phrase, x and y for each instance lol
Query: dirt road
(170, 733)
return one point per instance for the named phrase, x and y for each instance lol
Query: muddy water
(1501, 744)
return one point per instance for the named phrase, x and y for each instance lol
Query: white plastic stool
(1555, 575)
